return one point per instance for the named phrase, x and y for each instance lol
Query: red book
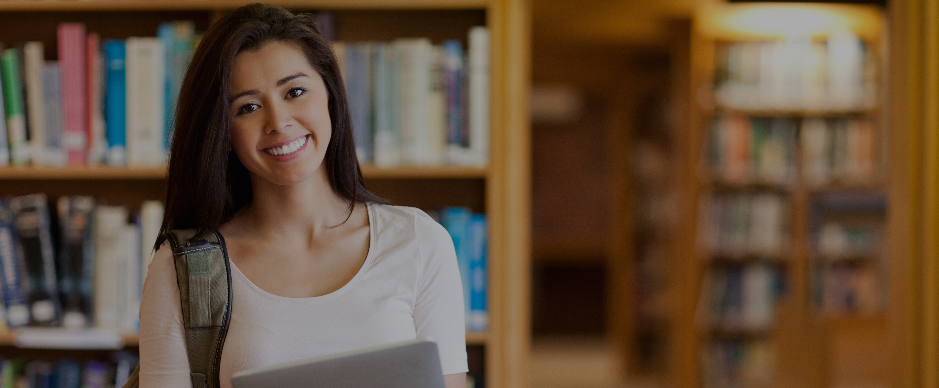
(94, 114)
(72, 61)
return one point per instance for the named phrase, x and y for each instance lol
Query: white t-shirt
(408, 287)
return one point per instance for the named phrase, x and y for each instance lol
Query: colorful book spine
(13, 107)
(4, 143)
(177, 38)
(358, 60)
(54, 153)
(457, 138)
(14, 300)
(115, 98)
(478, 94)
(33, 61)
(145, 101)
(76, 259)
(478, 317)
(31, 219)
(72, 53)
(94, 89)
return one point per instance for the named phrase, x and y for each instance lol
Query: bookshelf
(786, 260)
(501, 190)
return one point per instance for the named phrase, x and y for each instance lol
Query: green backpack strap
(204, 277)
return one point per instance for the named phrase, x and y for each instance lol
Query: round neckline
(358, 275)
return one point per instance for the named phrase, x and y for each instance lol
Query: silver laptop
(411, 364)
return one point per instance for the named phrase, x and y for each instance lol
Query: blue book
(476, 244)
(39, 374)
(176, 37)
(14, 300)
(115, 101)
(358, 89)
(76, 259)
(35, 250)
(67, 374)
(456, 220)
(96, 374)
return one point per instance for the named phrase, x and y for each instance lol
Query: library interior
(640, 193)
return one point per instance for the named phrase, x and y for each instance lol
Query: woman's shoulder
(406, 219)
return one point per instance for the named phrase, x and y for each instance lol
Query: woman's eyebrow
(280, 82)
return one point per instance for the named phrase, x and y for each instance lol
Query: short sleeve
(163, 358)
(438, 310)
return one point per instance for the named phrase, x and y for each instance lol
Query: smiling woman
(263, 154)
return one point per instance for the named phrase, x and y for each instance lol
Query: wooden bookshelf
(501, 189)
(806, 342)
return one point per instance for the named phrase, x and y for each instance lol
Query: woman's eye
(295, 92)
(247, 108)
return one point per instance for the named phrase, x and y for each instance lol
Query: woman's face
(279, 115)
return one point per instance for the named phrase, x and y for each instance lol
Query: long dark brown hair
(207, 183)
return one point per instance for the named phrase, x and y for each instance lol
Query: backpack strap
(204, 277)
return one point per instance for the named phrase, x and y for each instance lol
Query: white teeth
(287, 149)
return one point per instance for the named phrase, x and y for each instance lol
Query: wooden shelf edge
(209, 5)
(154, 173)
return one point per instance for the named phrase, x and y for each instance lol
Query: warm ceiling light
(789, 20)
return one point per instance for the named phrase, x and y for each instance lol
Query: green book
(13, 104)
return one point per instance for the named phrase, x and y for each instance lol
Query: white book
(151, 219)
(129, 280)
(145, 101)
(436, 109)
(414, 75)
(758, 297)
(478, 95)
(33, 61)
(845, 76)
(109, 245)
(54, 152)
(814, 141)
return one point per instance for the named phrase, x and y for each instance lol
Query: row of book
(102, 101)
(841, 240)
(753, 149)
(67, 373)
(763, 150)
(418, 103)
(741, 298)
(796, 74)
(78, 264)
(744, 224)
(738, 363)
(848, 289)
(469, 233)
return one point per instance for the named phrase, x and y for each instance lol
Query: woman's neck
(307, 209)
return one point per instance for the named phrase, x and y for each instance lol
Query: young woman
(263, 152)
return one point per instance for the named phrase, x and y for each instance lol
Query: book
(115, 107)
(145, 68)
(68, 374)
(128, 279)
(72, 61)
(54, 152)
(4, 143)
(414, 66)
(387, 135)
(436, 142)
(478, 94)
(358, 70)
(176, 37)
(36, 252)
(478, 317)
(13, 107)
(94, 97)
(453, 82)
(97, 374)
(109, 235)
(15, 304)
(33, 62)
(76, 259)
